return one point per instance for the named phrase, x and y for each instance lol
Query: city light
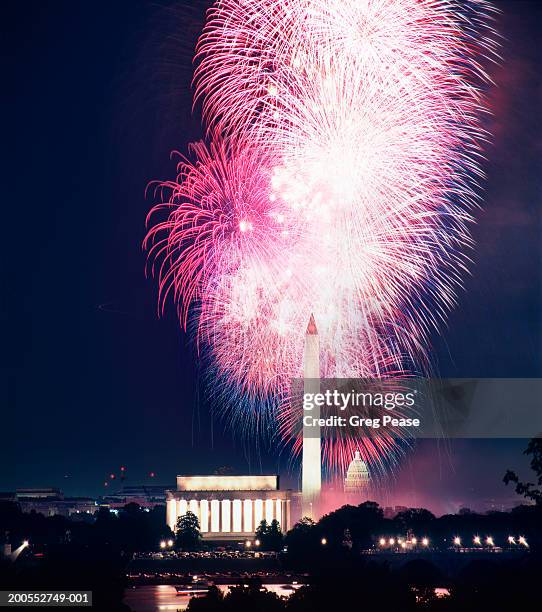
(407, 544)
(323, 541)
(400, 544)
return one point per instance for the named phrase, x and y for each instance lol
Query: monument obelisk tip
(311, 327)
(311, 479)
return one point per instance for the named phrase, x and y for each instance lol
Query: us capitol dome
(357, 476)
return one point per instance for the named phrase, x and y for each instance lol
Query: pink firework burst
(340, 180)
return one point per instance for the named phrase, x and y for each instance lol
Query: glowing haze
(339, 179)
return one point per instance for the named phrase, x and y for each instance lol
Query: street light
(523, 541)
(413, 541)
(26, 543)
(425, 542)
(392, 541)
(323, 541)
(477, 540)
(382, 542)
(248, 544)
(170, 543)
(257, 542)
(489, 541)
(163, 544)
(457, 541)
(511, 540)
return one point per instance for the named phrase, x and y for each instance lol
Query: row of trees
(66, 553)
(480, 585)
(188, 535)
(354, 528)
(359, 527)
(131, 529)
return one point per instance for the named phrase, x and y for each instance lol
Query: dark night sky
(97, 95)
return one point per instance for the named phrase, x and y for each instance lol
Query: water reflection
(148, 598)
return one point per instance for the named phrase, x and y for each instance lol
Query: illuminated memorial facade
(229, 507)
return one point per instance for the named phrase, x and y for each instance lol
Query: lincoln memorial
(229, 507)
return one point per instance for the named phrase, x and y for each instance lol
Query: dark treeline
(133, 529)
(90, 553)
(361, 527)
(71, 567)
(138, 530)
(418, 585)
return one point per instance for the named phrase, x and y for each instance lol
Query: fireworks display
(340, 178)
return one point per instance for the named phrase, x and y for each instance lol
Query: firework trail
(340, 180)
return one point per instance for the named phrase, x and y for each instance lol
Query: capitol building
(357, 476)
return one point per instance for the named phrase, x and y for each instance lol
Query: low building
(229, 507)
(39, 493)
(52, 502)
(146, 496)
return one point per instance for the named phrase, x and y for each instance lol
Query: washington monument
(311, 475)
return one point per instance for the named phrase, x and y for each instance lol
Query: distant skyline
(93, 378)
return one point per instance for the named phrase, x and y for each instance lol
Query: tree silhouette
(527, 489)
(270, 535)
(361, 521)
(212, 602)
(252, 597)
(188, 536)
(417, 519)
